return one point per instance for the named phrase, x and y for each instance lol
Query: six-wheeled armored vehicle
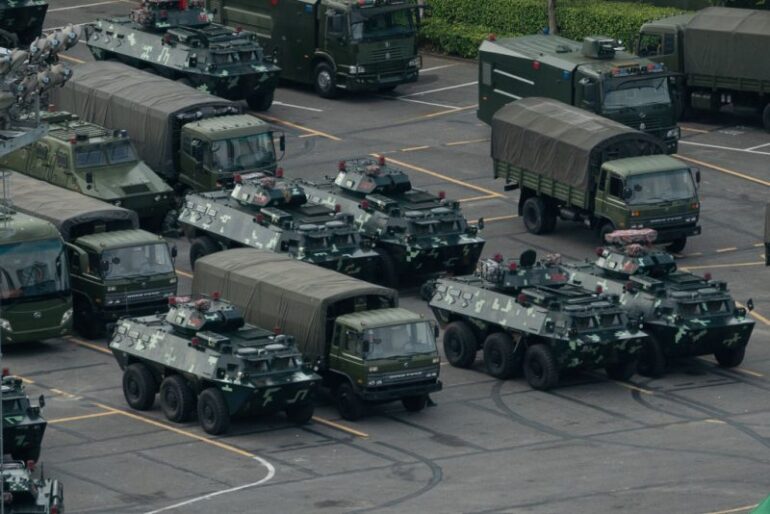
(23, 426)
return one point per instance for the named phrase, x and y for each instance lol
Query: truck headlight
(691, 219)
(66, 316)
(674, 133)
(355, 70)
(5, 325)
(117, 203)
(414, 62)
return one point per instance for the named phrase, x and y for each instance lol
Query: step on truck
(715, 51)
(578, 166)
(194, 140)
(366, 349)
(115, 268)
(595, 76)
(355, 45)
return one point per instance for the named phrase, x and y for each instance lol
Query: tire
(27, 454)
(415, 403)
(550, 220)
(605, 228)
(534, 214)
(349, 404)
(621, 371)
(260, 102)
(139, 386)
(388, 274)
(730, 357)
(300, 414)
(766, 117)
(460, 345)
(325, 80)
(213, 414)
(652, 362)
(677, 245)
(200, 247)
(500, 355)
(540, 368)
(177, 400)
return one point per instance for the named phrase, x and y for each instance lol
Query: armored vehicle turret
(684, 314)
(275, 215)
(23, 426)
(175, 39)
(21, 21)
(414, 231)
(23, 493)
(203, 349)
(524, 314)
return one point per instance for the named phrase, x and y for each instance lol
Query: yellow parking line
(343, 428)
(415, 148)
(749, 372)
(725, 170)
(71, 59)
(737, 509)
(184, 274)
(759, 245)
(91, 346)
(84, 416)
(62, 393)
(730, 249)
(633, 387)
(299, 127)
(476, 198)
(468, 142)
(690, 129)
(736, 265)
(715, 421)
(496, 218)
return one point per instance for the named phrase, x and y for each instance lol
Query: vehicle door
(345, 353)
(38, 162)
(609, 199)
(61, 172)
(337, 36)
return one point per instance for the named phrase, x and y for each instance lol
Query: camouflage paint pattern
(23, 427)
(29, 494)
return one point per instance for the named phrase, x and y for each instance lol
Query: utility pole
(553, 26)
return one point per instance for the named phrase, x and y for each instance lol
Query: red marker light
(381, 160)
(238, 29)
(513, 266)
(337, 207)
(6, 372)
(498, 257)
(216, 295)
(522, 298)
(31, 465)
(599, 289)
(277, 330)
(195, 342)
(707, 276)
(599, 251)
(629, 286)
(259, 218)
(341, 166)
(172, 300)
(535, 65)
(279, 173)
(237, 178)
(492, 37)
(441, 195)
(364, 204)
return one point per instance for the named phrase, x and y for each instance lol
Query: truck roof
(118, 239)
(234, 126)
(674, 22)
(378, 318)
(644, 164)
(16, 227)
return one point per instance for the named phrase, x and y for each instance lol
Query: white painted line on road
(758, 146)
(434, 68)
(276, 102)
(718, 147)
(410, 100)
(439, 89)
(81, 6)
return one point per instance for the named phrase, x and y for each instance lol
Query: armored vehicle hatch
(23, 427)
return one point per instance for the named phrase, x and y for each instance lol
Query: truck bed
(525, 179)
(722, 82)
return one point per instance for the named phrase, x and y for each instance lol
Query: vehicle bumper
(669, 234)
(690, 339)
(590, 355)
(114, 313)
(375, 81)
(150, 206)
(255, 400)
(363, 264)
(396, 392)
(241, 87)
(425, 260)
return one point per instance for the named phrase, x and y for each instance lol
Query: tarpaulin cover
(121, 97)
(728, 42)
(556, 140)
(67, 210)
(275, 290)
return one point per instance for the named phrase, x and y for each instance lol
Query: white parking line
(718, 147)
(276, 102)
(439, 89)
(432, 104)
(443, 66)
(758, 146)
(72, 7)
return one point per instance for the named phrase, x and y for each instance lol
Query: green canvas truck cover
(121, 97)
(66, 209)
(561, 142)
(277, 290)
(728, 42)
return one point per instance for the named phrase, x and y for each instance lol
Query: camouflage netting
(276, 290)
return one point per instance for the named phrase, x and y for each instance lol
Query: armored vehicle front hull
(24, 19)
(701, 337)
(23, 440)
(436, 255)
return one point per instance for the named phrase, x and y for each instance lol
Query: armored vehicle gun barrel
(23, 493)
(23, 426)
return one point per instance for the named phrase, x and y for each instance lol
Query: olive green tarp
(121, 97)
(275, 290)
(68, 210)
(728, 42)
(561, 142)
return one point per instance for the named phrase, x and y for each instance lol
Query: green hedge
(456, 26)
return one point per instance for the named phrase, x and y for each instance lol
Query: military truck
(581, 167)
(176, 39)
(594, 75)
(366, 348)
(524, 315)
(23, 426)
(194, 140)
(97, 162)
(715, 52)
(21, 21)
(684, 314)
(415, 232)
(115, 268)
(355, 45)
(202, 353)
(23, 493)
(273, 214)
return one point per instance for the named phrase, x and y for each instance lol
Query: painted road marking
(415, 148)
(89, 345)
(84, 416)
(758, 146)
(633, 387)
(282, 104)
(184, 274)
(736, 265)
(343, 428)
(71, 59)
(468, 142)
(737, 509)
(719, 147)
(421, 102)
(690, 129)
(755, 314)
(725, 170)
(730, 249)
(476, 198)
(81, 6)
(496, 218)
(63, 393)
(447, 88)
(434, 68)
(716, 421)
(299, 127)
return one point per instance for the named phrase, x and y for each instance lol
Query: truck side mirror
(41, 401)
(627, 193)
(435, 329)
(697, 176)
(589, 92)
(365, 347)
(750, 305)
(89, 177)
(174, 252)
(105, 266)
(480, 224)
(282, 143)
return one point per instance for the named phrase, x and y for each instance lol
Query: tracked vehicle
(23, 426)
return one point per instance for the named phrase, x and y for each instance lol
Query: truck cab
(661, 41)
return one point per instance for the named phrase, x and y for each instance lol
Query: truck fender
(318, 57)
(335, 378)
(523, 196)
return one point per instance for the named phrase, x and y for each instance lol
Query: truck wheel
(139, 386)
(349, 404)
(325, 80)
(652, 361)
(260, 102)
(387, 274)
(766, 117)
(177, 400)
(500, 355)
(621, 371)
(460, 345)
(300, 414)
(415, 403)
(534, 213)
(677, 245)
(730, 357)
(540, 367)
(551, 217)
(200, 247)
(605, 228)
(213, 414)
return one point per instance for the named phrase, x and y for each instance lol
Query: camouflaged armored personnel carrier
(96, 162)
(414, 231)
(684, 314)
(23, 426)
(524, 314)
(202, 352)
(176, 39)
(272, 214)
(21, 21)
(25, 494)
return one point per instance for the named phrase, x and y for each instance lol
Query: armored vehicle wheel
(460, 345)
(766, 117)
(652, 362)
(349, 404)
(500, 355)
(730, 357)
(415, 403)
(300, 414)
(387, 273)
(177, 400)
(139, 386)
(534, 213)
(325, 80)
(621, 371)
(27, 454)
(260, 102)
(677, 245)
(540, 367)
(201, 247)
(213, 414)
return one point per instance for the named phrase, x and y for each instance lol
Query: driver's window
(616, 186)
(74, 260)
(335, 23)
(352, 343)
(650, 45)
(93, 263)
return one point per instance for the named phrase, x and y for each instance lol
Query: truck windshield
(381, 25)
(400, 340)
(662, 186)
(635, 93)
(242, 153)
(118, 152)
(32, 270)
(137, 261)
